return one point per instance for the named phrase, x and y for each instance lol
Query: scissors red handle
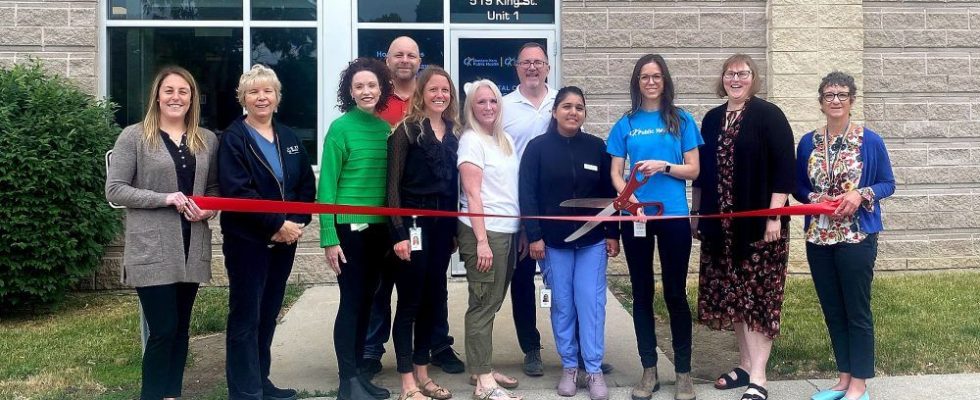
(623, 202)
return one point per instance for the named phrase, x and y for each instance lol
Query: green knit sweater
(353, 170)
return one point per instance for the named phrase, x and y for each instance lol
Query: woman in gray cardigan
(156, 164)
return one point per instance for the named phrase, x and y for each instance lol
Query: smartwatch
(667, 169)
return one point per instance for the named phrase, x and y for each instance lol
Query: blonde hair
(498, 133)
(151, 121)
(257, 75)
(416, 112)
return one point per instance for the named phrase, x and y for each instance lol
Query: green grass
(924, 324)
(89, 346)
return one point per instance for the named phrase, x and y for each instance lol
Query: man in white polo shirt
(526, 114)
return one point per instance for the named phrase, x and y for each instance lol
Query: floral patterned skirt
(748, 290)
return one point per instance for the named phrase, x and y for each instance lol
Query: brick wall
(922, 94)
(601, 41)
(61, 33)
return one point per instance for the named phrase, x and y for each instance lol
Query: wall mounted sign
(502, 11)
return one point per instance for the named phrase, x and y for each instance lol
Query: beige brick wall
(922, 94)
(601, 41)
(61, 33)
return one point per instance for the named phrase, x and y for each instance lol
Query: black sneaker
(370, 366)
(270, 392)
(448, 361)
(532, 363)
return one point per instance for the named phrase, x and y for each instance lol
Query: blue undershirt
(269, 150)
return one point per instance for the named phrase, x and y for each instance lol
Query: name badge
(639, 229)
(591, 167)
(415, 238)
(545, 297)
(358, 227)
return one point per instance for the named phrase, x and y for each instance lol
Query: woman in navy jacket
(847, 162)
(566, 163)
(259, 159)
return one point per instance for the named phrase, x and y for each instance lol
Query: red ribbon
(295, 207)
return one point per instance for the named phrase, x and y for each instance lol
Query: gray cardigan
(140, 178)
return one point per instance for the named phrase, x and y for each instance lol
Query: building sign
(502, 11)
(493, 59)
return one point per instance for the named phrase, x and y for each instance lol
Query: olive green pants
(487, 291)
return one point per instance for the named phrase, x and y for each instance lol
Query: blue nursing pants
(577, 278)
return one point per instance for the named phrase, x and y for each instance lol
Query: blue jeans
(577, 278)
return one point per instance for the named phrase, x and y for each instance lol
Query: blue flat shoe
(828, 394)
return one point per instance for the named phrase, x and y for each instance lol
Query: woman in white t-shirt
(488, 170)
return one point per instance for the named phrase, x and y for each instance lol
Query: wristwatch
(667, 169)
(773, 217)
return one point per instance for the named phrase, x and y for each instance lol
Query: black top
(185, 164)
(764, 164)
(421, 171)
(556, 168)
(243, 173)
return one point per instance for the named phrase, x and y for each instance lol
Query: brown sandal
(511, 384)
(410, 395)
(439, 393)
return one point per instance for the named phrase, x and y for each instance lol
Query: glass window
(399, 10)
(212, 55)
(284, 10)
(291, 52)
(375, 42)
(176, 9)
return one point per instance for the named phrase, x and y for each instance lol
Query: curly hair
(837, 78)
(344, 100)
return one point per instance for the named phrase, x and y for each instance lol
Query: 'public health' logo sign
(489, 62)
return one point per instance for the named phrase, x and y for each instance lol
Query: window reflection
(176, 9)
(286, 10)
(399, 11)
(212, 55)
(375, 42)
(291, 52)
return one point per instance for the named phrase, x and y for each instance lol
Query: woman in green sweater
(354, 172)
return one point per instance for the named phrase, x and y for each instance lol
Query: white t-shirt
(499, 189)
(524, 122)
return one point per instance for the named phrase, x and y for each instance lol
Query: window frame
(246, 24)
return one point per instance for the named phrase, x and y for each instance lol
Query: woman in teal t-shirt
(662, 141)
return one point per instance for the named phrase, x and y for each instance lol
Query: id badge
(545, 297)
(415, 238)
(639, 229)
(358, 227)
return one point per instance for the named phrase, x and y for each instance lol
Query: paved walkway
(303, 358)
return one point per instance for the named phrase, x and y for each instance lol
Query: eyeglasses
(653, 77)
(529, 63)
(740, 74)
(829, 97)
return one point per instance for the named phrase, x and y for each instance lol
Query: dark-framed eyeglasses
(529, 63)
(729, 75)
(829, 97)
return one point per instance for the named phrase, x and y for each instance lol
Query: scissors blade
(588, 226)
(587, 203)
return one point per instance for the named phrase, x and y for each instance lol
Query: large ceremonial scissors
(611, 206)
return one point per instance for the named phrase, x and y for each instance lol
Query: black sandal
(761, 393)
(741, 379)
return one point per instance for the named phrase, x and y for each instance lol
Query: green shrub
(54, 219)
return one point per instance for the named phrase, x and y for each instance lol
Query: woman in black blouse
(422, 174)
(746, 164)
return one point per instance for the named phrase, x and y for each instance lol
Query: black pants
(379, 326)
(257, 277)
(675, 252)
(367, 252)
(167, 309)
(842, 275)
(522, 299)
(420, 282)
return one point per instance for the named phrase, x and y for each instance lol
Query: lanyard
(831, 163)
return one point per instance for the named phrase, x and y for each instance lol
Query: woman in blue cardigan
(847, 162)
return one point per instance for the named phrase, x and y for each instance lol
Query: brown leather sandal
(438, 393)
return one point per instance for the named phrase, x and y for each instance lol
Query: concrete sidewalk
(303, 358)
